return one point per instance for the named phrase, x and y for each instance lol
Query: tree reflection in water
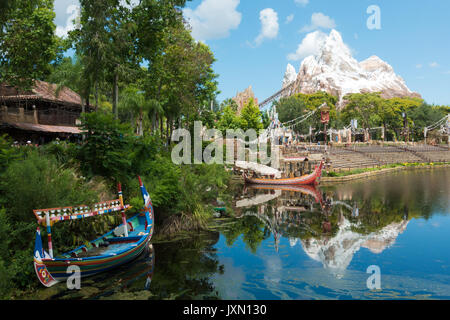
(330, 223)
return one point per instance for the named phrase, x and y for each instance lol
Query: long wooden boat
(117, 247)
(309, 179)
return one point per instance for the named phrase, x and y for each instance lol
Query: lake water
(303, 243)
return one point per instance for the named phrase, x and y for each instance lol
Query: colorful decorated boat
(309, 179)
(117, 247)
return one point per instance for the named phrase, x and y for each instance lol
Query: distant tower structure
(242, 98)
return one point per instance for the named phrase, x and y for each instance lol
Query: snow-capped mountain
(335, 71)
(336, 253)
(289, 76)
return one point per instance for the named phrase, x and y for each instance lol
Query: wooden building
(40, 115)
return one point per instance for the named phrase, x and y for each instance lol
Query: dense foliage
(250, 117)
(27, 41)
(63, 174)
(371, 110)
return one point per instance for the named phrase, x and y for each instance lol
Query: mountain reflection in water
(399, 222)
(331, 236)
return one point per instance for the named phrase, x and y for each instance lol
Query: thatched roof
(43, 91)
(45, 128)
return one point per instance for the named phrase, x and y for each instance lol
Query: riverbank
(362, 173)
(65, 174)
(371, 172)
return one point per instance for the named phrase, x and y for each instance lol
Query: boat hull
(58, 268)
(311, 179)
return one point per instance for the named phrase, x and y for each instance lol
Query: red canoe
(310, 179)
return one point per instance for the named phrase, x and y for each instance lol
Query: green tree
(181, 78)
(363, 107)
(390, 112)
(291, 108)
(155, 19)
(27, 42)
(107, 148)
(265, 119)
(7, 153)
(134, 103)
(228, 119)
(105, 41)
(229, 102)
(251, 117)
(300, 104)
(424, 116)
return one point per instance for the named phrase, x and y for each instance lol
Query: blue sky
(252, 39)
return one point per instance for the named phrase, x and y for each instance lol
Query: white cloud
(289, 18)
(66, 11)
(319, 21)
(302, 2)
(213, 19)
(74, 12)
(434, 64)
(419, 66)
(269, 25)
(310, 45)
(133, 3)
(61, 8)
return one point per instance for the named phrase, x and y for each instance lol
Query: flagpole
(124, 217)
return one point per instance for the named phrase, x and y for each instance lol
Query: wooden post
(49, 233)
(124, 217)
(4, 113)
(35, 115)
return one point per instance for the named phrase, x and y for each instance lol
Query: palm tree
(134, 103)
(70, 74)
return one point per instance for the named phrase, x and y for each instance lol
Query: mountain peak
(334, 70)
(335, 35)
(335, 43)
(289, 76)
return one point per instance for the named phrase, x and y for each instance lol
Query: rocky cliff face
(335, 71)
(243, 97)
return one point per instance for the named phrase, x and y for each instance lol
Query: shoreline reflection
(330, 228)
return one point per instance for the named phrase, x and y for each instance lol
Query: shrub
(5, 285)
(7, 153)
(107, 148)
(31, 183)
(40, 181)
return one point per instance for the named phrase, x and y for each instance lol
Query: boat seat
(103, 244)
(124, 239)
(119, 231)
